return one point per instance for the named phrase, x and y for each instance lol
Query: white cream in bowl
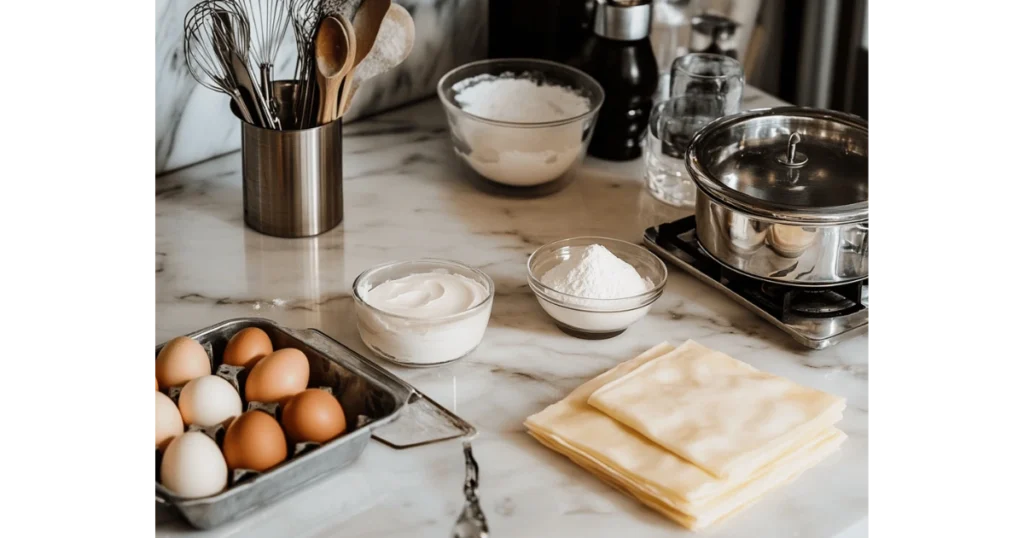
(424, 312)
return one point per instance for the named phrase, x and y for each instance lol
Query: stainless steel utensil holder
(292, 178)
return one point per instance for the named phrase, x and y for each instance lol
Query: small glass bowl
(595, 319)
(416, 341)
(521, 159)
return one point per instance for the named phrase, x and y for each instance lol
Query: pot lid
(791, 164)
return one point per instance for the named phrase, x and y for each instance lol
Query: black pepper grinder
(619, 56)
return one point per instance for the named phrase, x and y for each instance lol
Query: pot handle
(793, 158)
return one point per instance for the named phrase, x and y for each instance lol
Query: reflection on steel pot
(745, 236)
(782, 194)
(791, 241)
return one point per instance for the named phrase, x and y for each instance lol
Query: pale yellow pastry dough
(658, 478)
(579, 431)
(716, 412)
(711, 509)
(617, 445)
(718, 511)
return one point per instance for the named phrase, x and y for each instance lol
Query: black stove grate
(786, 303)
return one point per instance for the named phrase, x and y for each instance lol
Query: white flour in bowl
(514, 155)
(595, 273)
(587, 277)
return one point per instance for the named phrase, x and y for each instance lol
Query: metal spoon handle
(472, 472)
(471, 523)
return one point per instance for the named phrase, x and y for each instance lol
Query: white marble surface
(193, 123)
(406, 197)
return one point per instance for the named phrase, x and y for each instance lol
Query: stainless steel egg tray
(235, 375)
(376, 403)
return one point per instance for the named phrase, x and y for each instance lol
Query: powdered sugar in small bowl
(521, 123)
(595, 287)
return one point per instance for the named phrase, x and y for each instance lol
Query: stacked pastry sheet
(691, 432)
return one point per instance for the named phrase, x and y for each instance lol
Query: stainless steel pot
(782, 194)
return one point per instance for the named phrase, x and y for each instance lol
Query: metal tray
(380, 404)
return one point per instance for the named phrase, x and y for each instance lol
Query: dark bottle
(575, 24)
(619, 56)
(521, 28)
(547, 29)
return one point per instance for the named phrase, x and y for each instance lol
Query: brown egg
(180, 361)
(157, 383)
(254, 441)
(247, 346)
(313, 415)
(277, 377)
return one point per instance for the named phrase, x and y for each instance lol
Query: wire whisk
(305, 17)
(209, 43)
(217, 56)
(268, 23)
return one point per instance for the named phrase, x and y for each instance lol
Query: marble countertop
(406, 196)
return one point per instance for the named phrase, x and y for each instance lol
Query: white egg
(193, 466)
(168, 421)
(208, 401)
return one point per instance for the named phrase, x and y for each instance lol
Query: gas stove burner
(811, 303)
(816, 317)
(821, 303)
(791, 303)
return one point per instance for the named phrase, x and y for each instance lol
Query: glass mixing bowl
(520, 158)
(414, 341)
(595, 319)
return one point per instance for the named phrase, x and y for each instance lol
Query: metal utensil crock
(291, 179)
(782, 194)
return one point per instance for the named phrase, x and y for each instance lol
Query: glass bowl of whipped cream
(595, 287)
(522, 125)
(422, 312)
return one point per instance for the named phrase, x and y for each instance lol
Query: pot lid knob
(792, 157)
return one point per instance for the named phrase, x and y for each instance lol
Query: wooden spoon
(335, 56)
(393, 44)
(367, 22)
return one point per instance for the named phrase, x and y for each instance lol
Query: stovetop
(816, 317)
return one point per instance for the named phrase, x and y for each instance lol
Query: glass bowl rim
(552, 294)
(440, 262)
(526, 62)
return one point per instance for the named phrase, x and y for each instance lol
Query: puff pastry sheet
(718, 413)
(659, 478)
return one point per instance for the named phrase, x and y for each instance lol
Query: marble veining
(406, 196)
(193, 123)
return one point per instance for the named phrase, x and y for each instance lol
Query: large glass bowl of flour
(519, 123)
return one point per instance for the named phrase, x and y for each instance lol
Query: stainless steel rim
(744, 203)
